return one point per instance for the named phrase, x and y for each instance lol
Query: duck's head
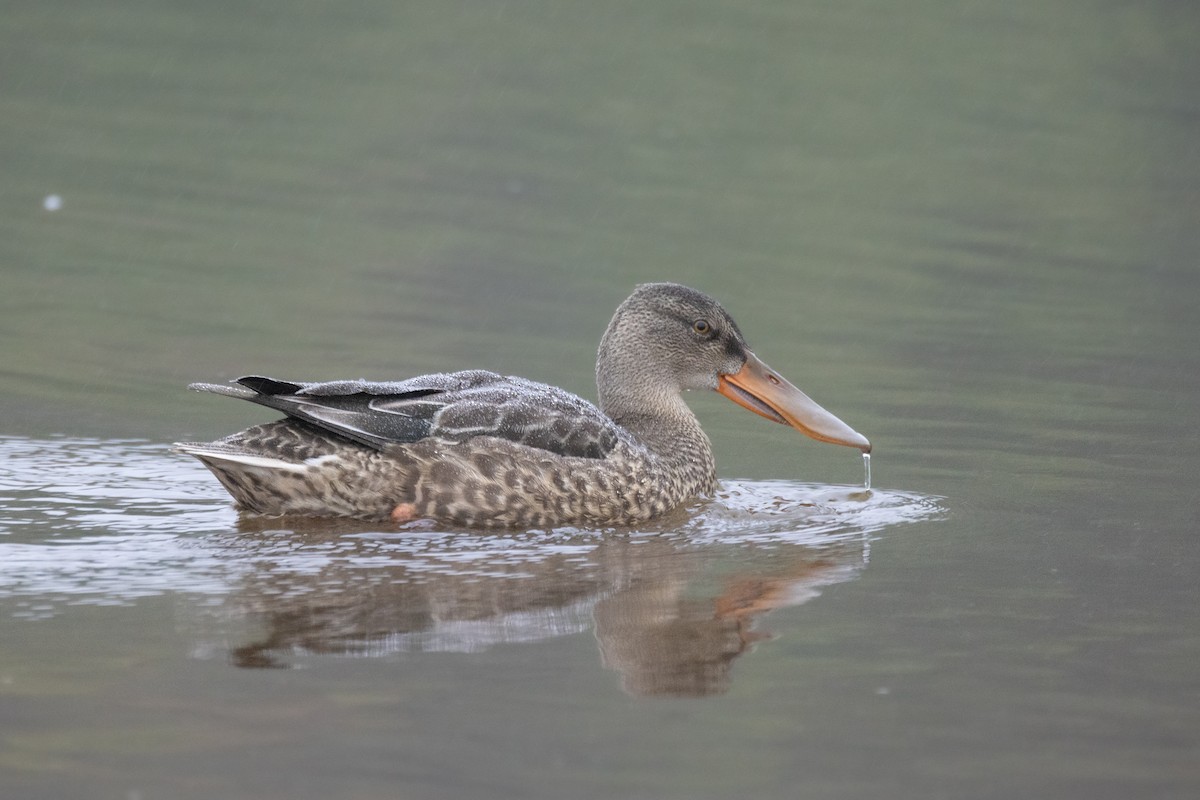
(666, 338)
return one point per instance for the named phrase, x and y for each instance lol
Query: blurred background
(968, 229)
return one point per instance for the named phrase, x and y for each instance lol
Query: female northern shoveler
(478, 449)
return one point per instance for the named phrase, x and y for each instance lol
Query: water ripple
(107, 522)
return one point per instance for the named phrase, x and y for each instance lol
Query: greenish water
(968, 229)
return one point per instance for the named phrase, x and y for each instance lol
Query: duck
(481, 450)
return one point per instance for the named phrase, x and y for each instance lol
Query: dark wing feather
(452, 407)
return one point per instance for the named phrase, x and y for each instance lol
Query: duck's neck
(669, 430)
(643, 399)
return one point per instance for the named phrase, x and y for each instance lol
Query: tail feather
(224, 388)
(214, 452)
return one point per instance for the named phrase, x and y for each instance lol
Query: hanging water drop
(867, 471)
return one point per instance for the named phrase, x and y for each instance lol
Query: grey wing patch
(363, 423)
(532, 414)
(454, 407)
(398, 391)
(373, 414)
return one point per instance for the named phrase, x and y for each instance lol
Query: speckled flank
(458, 483)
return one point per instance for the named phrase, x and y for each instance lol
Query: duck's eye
(702, 327)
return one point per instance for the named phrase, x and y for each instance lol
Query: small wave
(104, 522)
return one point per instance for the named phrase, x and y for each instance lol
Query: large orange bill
(765, 392)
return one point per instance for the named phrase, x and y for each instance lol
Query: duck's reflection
(671, 616)
(678, 627)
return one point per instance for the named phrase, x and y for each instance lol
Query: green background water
(969, 229)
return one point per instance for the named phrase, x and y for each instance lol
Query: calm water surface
(971, 231)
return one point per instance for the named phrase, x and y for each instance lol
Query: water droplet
(867, 471)
(52, 202)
